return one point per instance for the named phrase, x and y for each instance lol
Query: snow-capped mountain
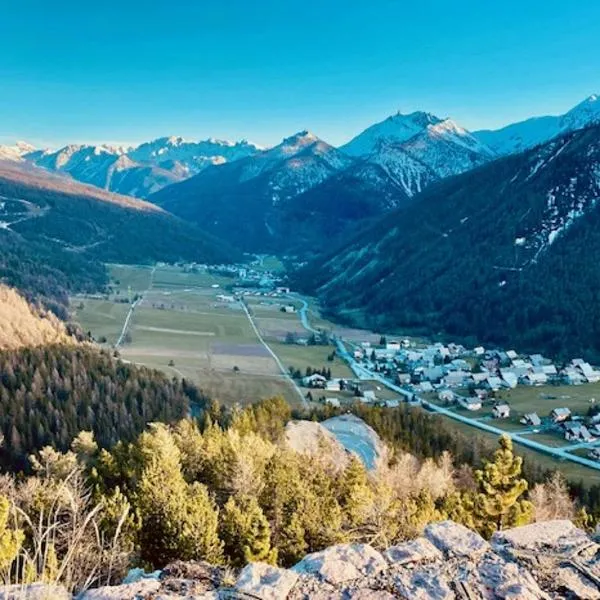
(191, 156)
(506, 253)
(16, 152)
(537, 130)
(140, 170)
(241, 200)
(409, 173)
(441, 145)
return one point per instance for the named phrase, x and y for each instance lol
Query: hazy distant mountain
(537, 130)
(141, 170)
(440, 145)
(16, 152)
(506, 253)
(243, 201)
(55, 231)
(192, 156)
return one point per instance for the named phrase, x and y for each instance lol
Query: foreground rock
(543, 561)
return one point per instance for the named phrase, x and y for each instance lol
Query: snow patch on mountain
(440, 145)
(537, 130)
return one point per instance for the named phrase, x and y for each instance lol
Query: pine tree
(245, 532)
(10, 539)
(498, 502)
(354, 493)
(179, 521)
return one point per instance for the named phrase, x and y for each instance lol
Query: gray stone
(549, 536)
(266, 582)
(508, 580)
(145, 588)
(34, 591)
(342, 563)
(456, 539)
(571, 579)
(422, 584)
(367, 594)
(417, 550)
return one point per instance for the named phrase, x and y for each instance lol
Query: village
(484, 385)
(526, 395)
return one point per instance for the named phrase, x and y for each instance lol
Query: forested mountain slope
(24, 325)
(507, 253)
(54, 233)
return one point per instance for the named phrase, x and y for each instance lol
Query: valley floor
(185, 324)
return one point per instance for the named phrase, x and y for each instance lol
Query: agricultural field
(301, 357)
(183, 328)
(102, 318)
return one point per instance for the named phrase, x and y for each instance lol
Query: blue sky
(128, 71)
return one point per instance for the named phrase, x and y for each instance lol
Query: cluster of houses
(316, 381)
(452, 366)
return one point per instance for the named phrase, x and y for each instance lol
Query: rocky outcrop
(543, 561)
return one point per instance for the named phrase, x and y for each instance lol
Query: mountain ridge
(498, 253)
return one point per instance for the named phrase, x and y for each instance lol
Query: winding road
(559, 453)
(362, 373)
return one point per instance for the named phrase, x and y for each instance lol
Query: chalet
(479, 351)
(511, 354)
(456, 378)
(481, 393)
(282, 290)
(393, 345)
(577, 432)
(470, 403)
(425, 386)
(572, 376)
(433, 374)
(531, 419)
(519, 363)
(478, 378)
(537, 360)
(358, 354)
(550, 370)
(459, 364)
(334, 385)
(591, 375)
(403, 378)
(456, 349)
(333, 402)
(446, 395)
(288, 308)
(501, 411)
(559, 415)
(511, 379)
(369, 396)
(535, 379)
(314, 381)
(493, 383)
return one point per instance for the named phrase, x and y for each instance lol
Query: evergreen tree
(179, 521)
(245, 532)
(498, 502)
(355, 493)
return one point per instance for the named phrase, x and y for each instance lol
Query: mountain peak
(418, 117)
(303, 136)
